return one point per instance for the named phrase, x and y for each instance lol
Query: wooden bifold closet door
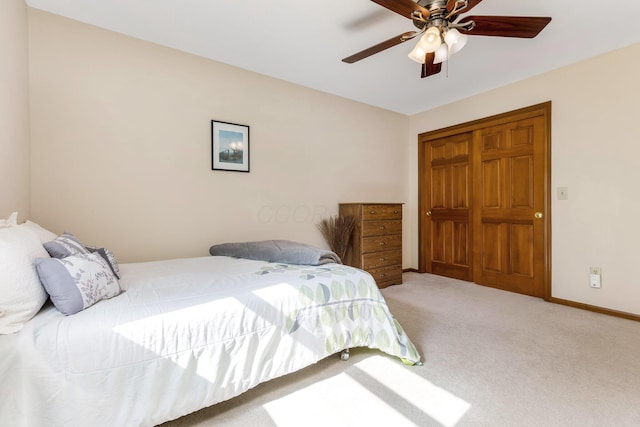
(484, 201)
(448, 183)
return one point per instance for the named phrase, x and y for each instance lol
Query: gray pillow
(65, 245)
(77, 282)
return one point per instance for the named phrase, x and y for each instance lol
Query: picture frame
(229, 146)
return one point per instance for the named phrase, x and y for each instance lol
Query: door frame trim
(542, 109)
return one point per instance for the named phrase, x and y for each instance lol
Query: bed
(185, 334)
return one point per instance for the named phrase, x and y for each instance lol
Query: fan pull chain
(447, 64)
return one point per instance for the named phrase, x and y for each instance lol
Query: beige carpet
(491, 358)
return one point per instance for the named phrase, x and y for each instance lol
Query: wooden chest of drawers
(376, 245)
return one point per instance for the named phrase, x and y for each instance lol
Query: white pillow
(21, 293)
(11, 221)
(43, 234)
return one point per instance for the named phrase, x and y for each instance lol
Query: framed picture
(229, 147)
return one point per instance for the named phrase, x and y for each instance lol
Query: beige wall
(121, 154)
(14, 109)
(121, 147)
(595, 153)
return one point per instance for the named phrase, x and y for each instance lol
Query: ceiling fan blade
(472, 3)
(403, 7)
(429, 68)
(505, 26)
(394, 41)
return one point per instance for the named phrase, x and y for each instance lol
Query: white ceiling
(303, 42)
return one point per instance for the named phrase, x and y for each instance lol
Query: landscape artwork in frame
(229, 147)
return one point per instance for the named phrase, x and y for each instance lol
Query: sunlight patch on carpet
(436, 402)
(339, 400)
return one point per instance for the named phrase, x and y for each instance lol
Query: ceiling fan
(442, 36)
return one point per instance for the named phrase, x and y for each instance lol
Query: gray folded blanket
(284, 251)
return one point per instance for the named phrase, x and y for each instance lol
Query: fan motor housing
(437, 13)
(435, 7)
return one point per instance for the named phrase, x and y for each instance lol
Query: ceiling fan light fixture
(455, 40)
(442, 54)
(438, 24)
(418, 54)
(431, 40)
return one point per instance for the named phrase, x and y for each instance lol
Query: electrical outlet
(595, 277)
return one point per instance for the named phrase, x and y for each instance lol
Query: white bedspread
(186, 334)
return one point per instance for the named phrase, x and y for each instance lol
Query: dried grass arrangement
(337, 232)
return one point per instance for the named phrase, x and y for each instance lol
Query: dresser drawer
(372, 212)
(376, 244)
(386, 276)
(379, 228)
(381, 243)
(381, 259)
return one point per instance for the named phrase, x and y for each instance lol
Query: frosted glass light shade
(442, 54)
(431, 40)
(455, 40)
(418, 54)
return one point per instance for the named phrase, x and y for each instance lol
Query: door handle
(428, 213)
(538, 215)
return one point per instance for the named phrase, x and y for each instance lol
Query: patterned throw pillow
(108, 256)
(77, 282)
(65, 245)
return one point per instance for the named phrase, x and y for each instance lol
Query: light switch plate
(563, 193)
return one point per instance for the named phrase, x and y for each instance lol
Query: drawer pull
(382, 227)
(383, 259)
(382, 243)
(382, 275)
(395, 212)
(372, 212)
